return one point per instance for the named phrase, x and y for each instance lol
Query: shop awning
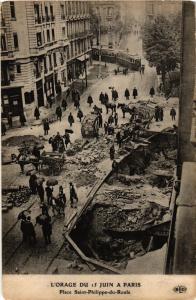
(83, 57)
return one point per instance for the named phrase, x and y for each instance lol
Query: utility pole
(99, 76)
(85, 72)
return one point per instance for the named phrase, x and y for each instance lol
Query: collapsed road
(128, 216)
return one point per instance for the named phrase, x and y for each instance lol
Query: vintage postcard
(98, 143)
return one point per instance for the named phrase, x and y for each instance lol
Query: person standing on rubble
(115, 167)
(67, 138)
(118, 138)
(70, 119)
(106, 127)
(116, 118)
(112, 152)
(100, 119)
(73, 194)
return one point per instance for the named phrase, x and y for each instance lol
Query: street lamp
(99, 76)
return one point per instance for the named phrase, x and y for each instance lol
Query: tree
(161, 41)
(94, 25)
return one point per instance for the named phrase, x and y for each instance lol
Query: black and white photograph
(98, 137)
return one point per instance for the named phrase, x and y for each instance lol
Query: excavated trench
(122, 222)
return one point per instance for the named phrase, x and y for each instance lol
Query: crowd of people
(49, 203)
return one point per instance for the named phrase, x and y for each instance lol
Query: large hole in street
(129, 215)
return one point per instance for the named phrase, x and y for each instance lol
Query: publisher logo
(180, 289)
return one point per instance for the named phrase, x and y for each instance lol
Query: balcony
(2, 22)
(38, 20)
(47, 19)
(38, 74)
(5, 82)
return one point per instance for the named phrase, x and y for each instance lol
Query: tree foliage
(161, 41)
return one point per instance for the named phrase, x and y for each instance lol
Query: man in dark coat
(135, 93)
(33, 184)
(73, 194)
(112, 152)
(118, 138)
(161, 114)
(110, 119)
(22, 119)
(90, 100)
(106, 127)
(152, 92)
(101, 98)
(67, 138)
(23, 228)
(127, 94)
(64, 104)
(100, 119)
(40, 191)
(157, 113)
(46, 126)
(30, 231)
(49, 194)
(47, 228)
(173, 114)
(36, 113)
(77, 103)
(70, 119)
(9, 119)
(3, 128)
(59, 113)
(116, 118)
(115, 167)
(106, 98)
(80, 115)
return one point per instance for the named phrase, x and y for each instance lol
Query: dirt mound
(18, 140)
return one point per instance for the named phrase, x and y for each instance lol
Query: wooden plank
(91, 260)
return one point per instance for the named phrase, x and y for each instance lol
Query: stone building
(44, 45)
(166, 8)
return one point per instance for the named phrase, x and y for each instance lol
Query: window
(39, 39)
(18, 68)
(37, 15)
(48, 35)
(45, 64)
(12, 10)
(15, 37)
(53, 35)
(44, 40)
(54, 59)
(3, 43)
(50, 61)
(63, 32)
(62, 12)
(51, 11)
(46, 13)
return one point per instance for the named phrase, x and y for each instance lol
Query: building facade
(108, 14)
(44, 45)
(166, 8)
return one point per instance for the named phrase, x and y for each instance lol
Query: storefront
(11, 101)
(40, 94)
(49, 86)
